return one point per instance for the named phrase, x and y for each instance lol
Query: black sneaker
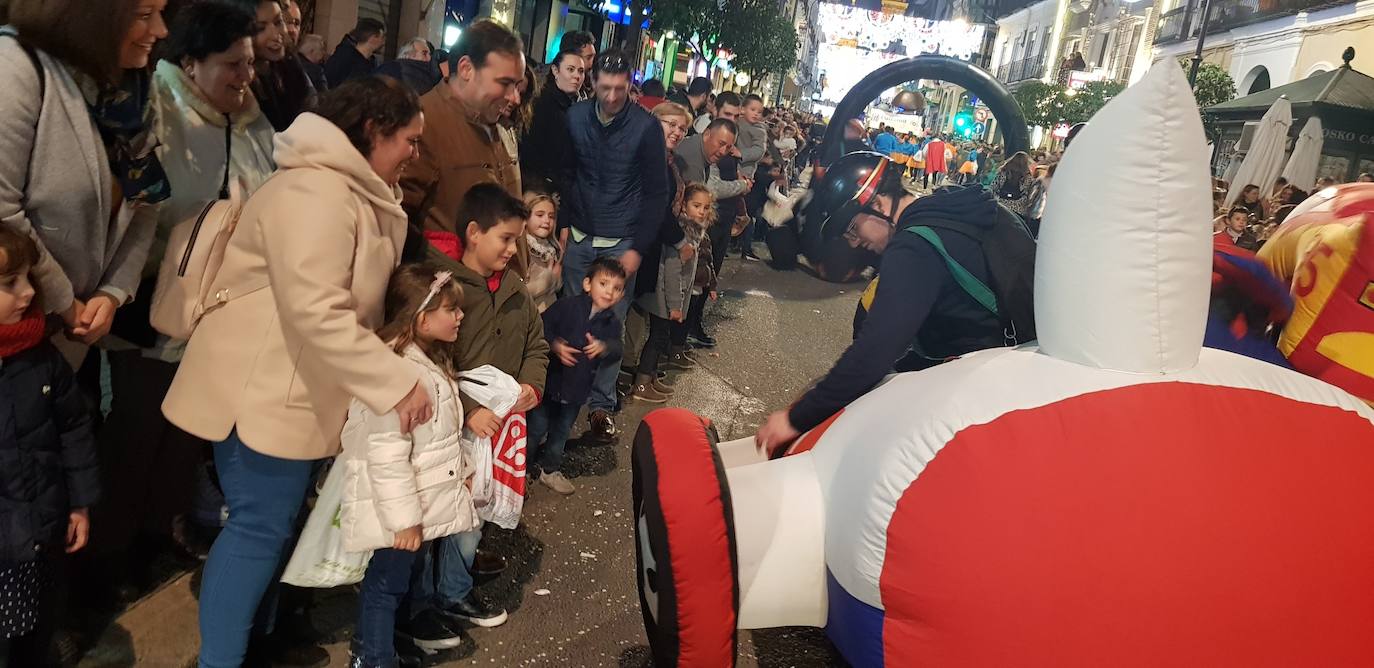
(474, 611)
(701, 341)
(429, 631)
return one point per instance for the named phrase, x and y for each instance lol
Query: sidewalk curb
(161, 630)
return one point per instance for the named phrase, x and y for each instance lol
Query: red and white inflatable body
(1117, 495)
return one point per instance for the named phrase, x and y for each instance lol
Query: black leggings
(656, 346)
(720, 239)
(678, 332)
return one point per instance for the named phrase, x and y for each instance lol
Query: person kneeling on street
(921, 312)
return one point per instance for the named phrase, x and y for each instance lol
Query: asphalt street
(570, 587)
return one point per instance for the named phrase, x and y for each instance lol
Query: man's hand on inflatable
(776, 433)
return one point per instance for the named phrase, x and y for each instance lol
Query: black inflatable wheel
(783, 246)
(684, 542)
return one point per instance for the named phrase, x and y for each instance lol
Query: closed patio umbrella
(1264, 160)
(1301, 170)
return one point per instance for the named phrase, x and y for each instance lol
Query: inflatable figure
(1247, 299)
(1116, 495)
(1325, 248)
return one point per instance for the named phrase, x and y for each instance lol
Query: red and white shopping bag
(498, 485)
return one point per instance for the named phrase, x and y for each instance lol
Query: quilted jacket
(48, 462)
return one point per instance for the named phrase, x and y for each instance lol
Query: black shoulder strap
(37, 68)
(42, 93)
(228, 154)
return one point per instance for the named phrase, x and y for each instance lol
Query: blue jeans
(383, 591)
(264, 495)
(443, 574)
(552, 421)
(576, 261)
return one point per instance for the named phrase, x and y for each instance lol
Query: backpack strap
(966, 280)
(37, 65)
(42, 92)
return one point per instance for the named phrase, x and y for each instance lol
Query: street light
(1201, 37)
(742, 78)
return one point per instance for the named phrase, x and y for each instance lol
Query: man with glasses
(615, 191)
(918, 313)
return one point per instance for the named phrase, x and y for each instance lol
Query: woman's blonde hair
(405, 293)
(672, 109)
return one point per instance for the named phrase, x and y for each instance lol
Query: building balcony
(1184, 22)
(1020, 70)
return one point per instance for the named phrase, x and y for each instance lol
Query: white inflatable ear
(1122, 272)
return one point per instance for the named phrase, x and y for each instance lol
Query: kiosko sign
(1348, 136)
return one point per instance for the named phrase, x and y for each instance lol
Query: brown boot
(680, 360)
(644, 391)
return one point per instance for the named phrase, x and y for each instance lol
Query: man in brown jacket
(461, 146)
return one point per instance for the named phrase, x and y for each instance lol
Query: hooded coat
(306, 274)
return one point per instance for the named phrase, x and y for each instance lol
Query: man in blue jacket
(615, 195)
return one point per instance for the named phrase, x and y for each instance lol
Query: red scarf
(22, 335)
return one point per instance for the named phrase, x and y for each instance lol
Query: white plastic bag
(320, 560)
(498, 485)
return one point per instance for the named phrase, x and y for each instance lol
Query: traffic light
(963, 124)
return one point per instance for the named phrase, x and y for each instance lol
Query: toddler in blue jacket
(581, 330)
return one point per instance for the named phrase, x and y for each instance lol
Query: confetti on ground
(598, 513)
(588, 555)
(541, 592)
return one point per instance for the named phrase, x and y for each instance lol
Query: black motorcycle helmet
(847, 188)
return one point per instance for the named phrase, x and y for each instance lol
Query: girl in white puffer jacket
(403, 490)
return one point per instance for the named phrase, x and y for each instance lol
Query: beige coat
(282, 362)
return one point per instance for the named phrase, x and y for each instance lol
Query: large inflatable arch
(831, 262)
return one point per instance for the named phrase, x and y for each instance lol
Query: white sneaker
(556, 482)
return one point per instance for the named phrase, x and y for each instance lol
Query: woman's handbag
(195, 252)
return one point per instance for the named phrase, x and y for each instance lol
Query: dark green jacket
(502, 329)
